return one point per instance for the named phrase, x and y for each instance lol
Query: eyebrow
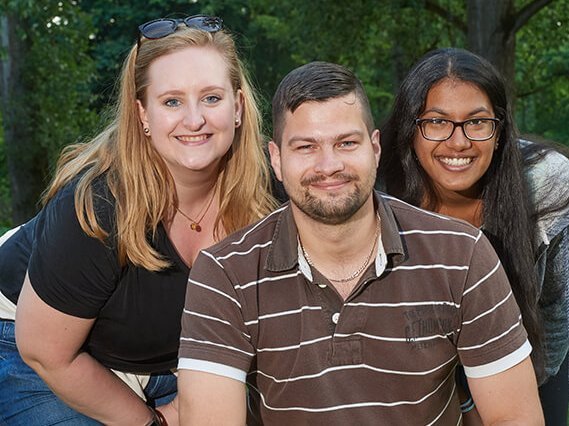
(445, 113)
(177, 92)
(338, 137)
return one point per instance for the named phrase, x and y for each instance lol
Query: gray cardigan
(548, 182)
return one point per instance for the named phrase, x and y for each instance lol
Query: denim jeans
(27, 401)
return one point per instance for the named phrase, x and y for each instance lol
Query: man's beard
(331, 209)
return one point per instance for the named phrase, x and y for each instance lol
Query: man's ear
(375, 142)
(275, 154)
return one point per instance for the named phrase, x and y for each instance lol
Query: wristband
(467, 405)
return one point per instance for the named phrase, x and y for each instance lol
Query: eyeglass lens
(440, 130)
(163, 27)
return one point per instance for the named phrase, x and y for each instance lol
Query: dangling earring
(496, 146)
(237, 121)
(146, 131)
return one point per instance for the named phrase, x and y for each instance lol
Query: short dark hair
(316, 82)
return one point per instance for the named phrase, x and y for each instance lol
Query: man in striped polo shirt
(346, 306)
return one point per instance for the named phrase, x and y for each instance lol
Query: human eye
(347, 144)
(172, 103)
(436, 122)
(303, 147)
(478, 123)
(212, 99)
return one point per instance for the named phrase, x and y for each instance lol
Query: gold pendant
(196, 227)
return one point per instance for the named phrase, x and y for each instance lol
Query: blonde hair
(136, 174)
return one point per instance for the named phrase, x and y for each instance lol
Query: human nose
(194, 118)
(329, 162)
(458, 139)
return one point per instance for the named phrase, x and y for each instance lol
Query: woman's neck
(465, 208)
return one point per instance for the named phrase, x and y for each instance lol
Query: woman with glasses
(101, 271)
(450, 146)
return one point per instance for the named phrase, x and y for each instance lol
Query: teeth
(456, 161)
(192, 138)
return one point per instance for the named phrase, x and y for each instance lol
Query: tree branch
(527, 12)
(433, 6)
(542, 87)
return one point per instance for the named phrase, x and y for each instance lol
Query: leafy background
(70, 53)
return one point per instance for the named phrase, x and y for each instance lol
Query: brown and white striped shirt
(435, 297)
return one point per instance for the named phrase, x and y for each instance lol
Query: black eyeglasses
(475, 129)
(163, 27)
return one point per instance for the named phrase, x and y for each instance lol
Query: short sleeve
(214, 335)
(69, 270)
(492, 337)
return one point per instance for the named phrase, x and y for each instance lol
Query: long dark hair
(508, 219)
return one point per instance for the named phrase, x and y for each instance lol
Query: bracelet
(467, 405)
(158, 418)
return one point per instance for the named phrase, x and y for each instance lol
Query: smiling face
(327, 159)
(191, 109)
(456, 165)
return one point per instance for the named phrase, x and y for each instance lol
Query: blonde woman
(101, 271)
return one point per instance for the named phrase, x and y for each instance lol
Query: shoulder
(247, 254)
(547, 165)
(61, 210)
(410, 217)
(259, 232)
(58, 230)
(547, 176)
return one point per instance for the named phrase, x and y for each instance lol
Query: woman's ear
(239, 102)
(143, 117)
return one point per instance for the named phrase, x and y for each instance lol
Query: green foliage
(115, 31)
(5, 207)
(74, 60)
(62, 79)
(57, 71)
(542, 74)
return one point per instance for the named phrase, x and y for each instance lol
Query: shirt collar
(285, 252)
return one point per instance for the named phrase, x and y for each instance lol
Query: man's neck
(339, 251)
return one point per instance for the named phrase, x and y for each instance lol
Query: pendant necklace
(195, 224)
(358, 271)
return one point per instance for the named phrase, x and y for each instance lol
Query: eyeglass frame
(175, 23)
(495, 122)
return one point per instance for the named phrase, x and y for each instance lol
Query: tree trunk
(25, 158)
(490, 33)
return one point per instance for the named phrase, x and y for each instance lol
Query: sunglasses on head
(163, 27)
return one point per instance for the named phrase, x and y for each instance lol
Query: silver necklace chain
(358, 271)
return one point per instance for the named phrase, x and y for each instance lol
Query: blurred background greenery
(60, 60)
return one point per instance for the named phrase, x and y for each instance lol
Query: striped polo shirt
(436, 296)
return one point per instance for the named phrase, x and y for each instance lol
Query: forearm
(92, 389)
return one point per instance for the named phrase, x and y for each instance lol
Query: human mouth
(455, 161)
(193, 139)
(329, 184)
